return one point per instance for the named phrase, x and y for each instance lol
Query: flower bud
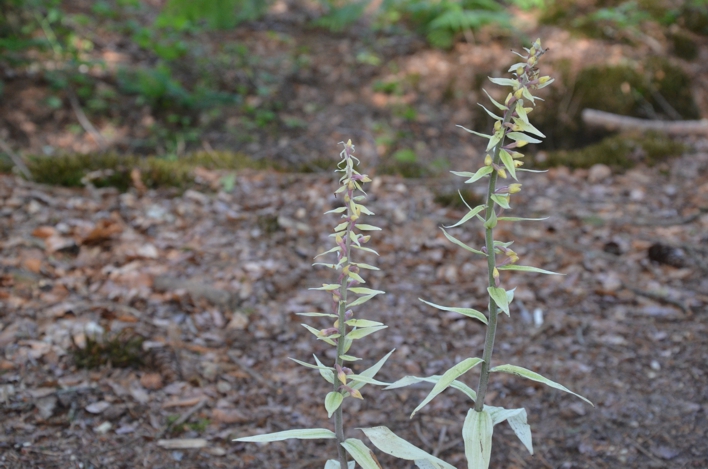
(521, 143)
(350, 185)
(518, 163)
(348, 314)
(543, 80)
(341, 375)
(347, 198)
(345, 270)
(487, 160)
(364, 239)
(508, 98)
(354, 217)
(346, 370)
(532, 60)
(520, 71)
(497, 126)
(514, 188)
(519, 93)
(516, 154)
(502, 173)
(329, 331)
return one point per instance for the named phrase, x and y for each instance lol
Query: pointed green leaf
(461, 244)
(447, 379)
(527, 94)
(476, 133)
(332, 402)
(522, 137)
(408, 380)
(365, 266)
(491, 114)
(361, 454)
(307, 365)
(359, 333)
(533, 376)
(336, 210)
(477, 435)
(332, 464)
(365, 227)
(469, 312)
(334, 249)
(362, 248)
(521, 219)
(361, 300)
(355, 276)
(521, 111)
(329, 315)
(528, 127)
(496, 138)
(327, 287)
(341, 227)
(365, 291)
(510, 295)
(326, 373)
(390, 443)
(363, 323)
(499, 297)
(469, 215)
(303, 434)
(481, 172)
(464, 174)
(371, 371)
(517, 422)
(505, 82)
(532, 170)
(492, 222)
(508, 162)
(365, 210)
(501, 200)
(349, 358)
(527, 268)
(367, 380)
(497, 104)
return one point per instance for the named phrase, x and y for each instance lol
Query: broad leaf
(461, 244)
(362, 323)
(448, 378)
(527, 268)
(332, 402)
(517, 422)
(408, 380)
(361, 300)
(469, 215)
(501, 200)
(481, 172)
(469, 312)
(365, 227)
(477, 435)
(533, 376)
(508, 161)
(359, 333)
(365, 291)
(522, 137)
(303, 434)
(361, 454)
(388, 442)
(505, 82)
(326, 373)
(499, 297)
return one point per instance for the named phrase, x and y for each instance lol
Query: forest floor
(190, 297)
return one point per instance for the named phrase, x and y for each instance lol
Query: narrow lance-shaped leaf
(477, 434)
(476, 133)
(461, 244)
(367, 380)
(491, 114)
(316, 333)
(390, 443)
(521, 219)
(329, 315)
(303, 434)
(501, 200)
(365, 227)
(408, 380)
(497, 104)
(333, 464)
(360, 333)
(326, 373)
(481, 172)
(517, 421)
(371, 371)
(361, 300)
(365, 291)
(469, 312)
(362, 323)
(469, 215)
(533, 376)
(499, 297)
(505, 82)
(307, 365)
(527, 268)
(508, 162)
(522, 137)
(332, 402)
(448, 378)
(361, 454)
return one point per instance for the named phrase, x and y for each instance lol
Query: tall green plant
(347, 326)
(511, 132)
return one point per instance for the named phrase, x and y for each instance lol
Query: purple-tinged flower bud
(329, 331)
(354, 392)
(347, 371)
(364, 239)
(487, 160)
(348, 314)
(341, 375)
(514, 188)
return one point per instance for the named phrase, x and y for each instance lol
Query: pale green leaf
(367, 380)
(477, 435)
(461, 244)
(476, 133)
(501, 200)
(491, 114)
(521, 219)
(361, 454)
(464, 174)
(522, 137)
(497, 104)
(532, 170)
(303, 434)
(469, 215)
(390, 443)
(365, 227)
(365, 210)
(508, 162)
(365, 291)
(528, 127)
(371, 371)
(336, 210)
(517, 421)
(481, 172)
(521, 111)
(341, 227)
(365, 266)
(510, 295)
(496, 138)
(360, 333)
(307, 365)
(448, 378)
(527, 94)
(533, 376)
(329, 315)
(355, 276)
(527, 268)
(334, 249)
(505, 82)
(333, 464)
(492, 222)
(332, 402)
(515, 66)
(327, 374)
(365, 249)
(363, 323)
(327, 287)
(408, 380)
(360, 300)
(349, 358)
(499, 297)
(469, 312)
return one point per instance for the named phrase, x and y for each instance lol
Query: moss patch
(121, 351)
(619, 151)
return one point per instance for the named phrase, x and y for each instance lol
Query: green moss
(684, 46)
(121, 351)
(619, 151)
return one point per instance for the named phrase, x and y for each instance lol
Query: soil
(195, 293)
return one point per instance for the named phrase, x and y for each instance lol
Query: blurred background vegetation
(172, 71)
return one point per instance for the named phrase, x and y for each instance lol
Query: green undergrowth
(618, 151)
(114, 170)
(123, 350)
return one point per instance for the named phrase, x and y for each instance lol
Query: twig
(422, 437)
(441, 440)
(659, 298)
(83, 120)
(616, 122)
(183, 418)
(16, 159)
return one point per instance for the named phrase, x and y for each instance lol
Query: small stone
(598, 173)
(152, 381)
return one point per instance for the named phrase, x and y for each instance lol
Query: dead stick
(83, 120)
(616, 122)
(16, 159)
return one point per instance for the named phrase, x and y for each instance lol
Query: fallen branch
(616, 122)
(83, 120)
(16, 159)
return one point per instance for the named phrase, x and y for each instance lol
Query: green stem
(491, 265)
